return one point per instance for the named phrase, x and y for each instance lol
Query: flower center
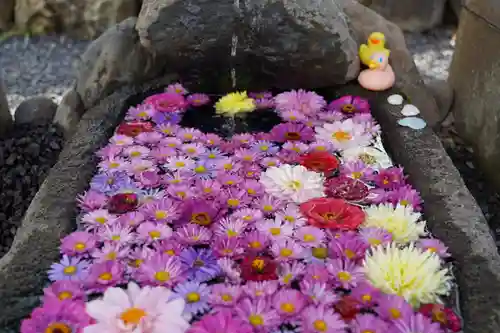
(231, 233)
(193, 297)
(64, 295)
(180, 164)
(226, 297)
(181, 194)
(161, 214)
(258, 264)
(115, 238)
(58, 328)
(247, 218)
(191, 150)
(207, 190)
(228, 166)
(344, 276)
(309, 238)
(135, 154)
(432, 249)
(155, 234)
(292, 136)
(256, 320)
(80, 246)
(320, 252)
(439, 316)
(287, 278)
(162, 276)
(286, 252)
(295, 185)
(289, 219)
(142, 114)
(330, 216)
(233, 202)
(287, 307)
(106, 276)
(356, 174)
(230, 182)
(367, 159)
(374, 241)
(198, 263)
(320, 148)
(100, 220)
(320, 325)
(404, 202)
(395, 313)
(264, 148)
(349, 253)
(69, 270)
(111, 255)
(188, 136)
(170, 252)
(255, 244)
(367, 331)
(268, 208)
(348, 108)
(200, 169)
(114, 165)
(341, 136)
(132, 316)
(201, 218)
(275, 231)
(366, 298)
(251, 191)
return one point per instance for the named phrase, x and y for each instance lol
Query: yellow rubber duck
(376, 44)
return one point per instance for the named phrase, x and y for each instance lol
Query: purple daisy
(317, 273)
(393, 307)
(348, 245)
(221, 321)
(109, 182)
(199, 265)
(259, 314)
(224, 295)
(322, 320)
(256, 241)
(198, 99)
(265, 147)
(253, 187)
(229, 227)
(163, 118)
(349, 105)
(162, 154)
(213, 155)
(366, 294)
(200, 211)
(131, 219)
(57, 316)
(148, 179)
(356, 170)
(195, 296)
(369, 323)
(416, 322)
(434, 245)
(110, 252)
(91, 200)
(390, 178)
(310, 236)
(292, 132)
(78, 243)
(268, 204)
(345, 273)
(405, 196)
(209, 188)
(160, 270)
(211, 140)
(318, 293)
(289, 302)
(306, 102)
(150, 232)
(64, 290)
(263, 100)
(140, 112)
(73, 269)
(228, 247)
(375, 236)
(162, 211)
(103, 275)
(260, 289)
(192, 234)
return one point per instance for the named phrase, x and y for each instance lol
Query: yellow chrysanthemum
(402, 222)
(409, 272)
(234, 103)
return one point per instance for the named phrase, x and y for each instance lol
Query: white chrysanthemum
(373, 157)
(408, 272)
(344, 134)
(401, 221)
(293, 182)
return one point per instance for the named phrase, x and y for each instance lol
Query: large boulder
(35, 110)
(410, 15)
(289, 43)
(475, 78)
(6, 14)
(83, 19)
(115, 59)
(364, 21)
(5, 116)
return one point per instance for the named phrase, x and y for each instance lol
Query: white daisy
(293, 182)
(373, 157)
(275, 229)
(344, 134)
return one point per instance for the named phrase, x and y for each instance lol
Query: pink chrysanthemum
(258, 314)
(78, 243)
(344, 273)
(322, 320)
(306, 102)
(160, 270)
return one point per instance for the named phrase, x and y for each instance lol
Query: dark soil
(26, 156)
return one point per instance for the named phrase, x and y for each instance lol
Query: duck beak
(374, 41)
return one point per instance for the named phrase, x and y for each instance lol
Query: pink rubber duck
(379, 76)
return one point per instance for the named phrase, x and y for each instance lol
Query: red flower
(134, 128)
(320, 161)
(122, 203)
(346, 188)
(258, 268)
(347, 307)
(332, 214)
(444, 316)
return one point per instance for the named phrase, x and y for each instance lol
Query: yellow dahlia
(234, 103)
(401, 221)
(409, 272)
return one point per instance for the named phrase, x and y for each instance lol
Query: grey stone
(443, 95)
(35, 110)
(284, 44)
(69, 112)
(456, 7)
(5, 116)
(364, 21)
(51, 214)
(475, 80)
(451, 212)
(410, 15)
(115, 59)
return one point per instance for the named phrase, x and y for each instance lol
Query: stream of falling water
(234, 46)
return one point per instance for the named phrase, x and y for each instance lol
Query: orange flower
(320, 161)
(332, 213)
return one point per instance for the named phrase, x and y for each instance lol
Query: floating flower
(160, 270)
(234, 103)
(291, 132)
(193, 234)
(345, 273)
(198, 99)
(306, 102)
(105, 274)
(78, 243)
(176, 88)
(332, 214)
(435, 246)
(415, 323)
(167, 102)
(441, 315)
(408, 272)
(289, 302)
(199, 265)
(57, 316)
(310, 236)
(346, 188)
(366, 295)
(322, 320)
(368, 323)
(258, 268)
(225, 295)
(393, 307)
(69, 268)
(258, 314)
(133, 129)
(401, 222)
(318, 293)
(145, 310)
(370, 156)
(320, 162)
(294, 183)
(350, 105)
(122, 203)
(390, 178)
(222, 321)
(64, 290)
(375, 236)
(344, 134)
